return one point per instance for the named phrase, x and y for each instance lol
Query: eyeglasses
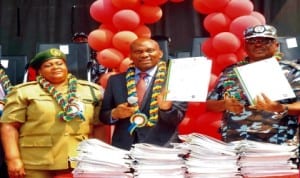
(264, 41)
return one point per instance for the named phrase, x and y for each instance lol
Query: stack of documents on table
(100, 160)
(154, 161)
(210, 158)
(259, 159)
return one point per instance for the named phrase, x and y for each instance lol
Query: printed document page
(266, 77)
(188, 79)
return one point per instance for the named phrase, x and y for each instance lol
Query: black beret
(43, 56)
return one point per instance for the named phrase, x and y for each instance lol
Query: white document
(265, 76)
(188, 79)
(64, 49)
(4, 63)
(291, 43)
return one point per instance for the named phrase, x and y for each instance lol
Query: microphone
(132, 100)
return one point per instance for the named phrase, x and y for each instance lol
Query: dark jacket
(164, 132)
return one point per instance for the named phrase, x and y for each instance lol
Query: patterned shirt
(252, 124)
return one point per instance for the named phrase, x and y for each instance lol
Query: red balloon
(225, 60)
(128, 4)
(226, 42)
(259, 16)
(126, 19)
(31, 74)
(213, 81)
(237, 8)
(193, 111)
(125, 64)
(216, 5)
(195, 108)
(241, 53)
(102, 11)
(110, 27)
(216, 22)
(100, 39)
(208, 123)
(239, 25)
(154, 2)
(122, 40)
(104, 77)
(208, 49)
(200, 7)
(216, 69)
(176, 1)
(142, 31)
(185, 127)
(149, 14)
(110, 58)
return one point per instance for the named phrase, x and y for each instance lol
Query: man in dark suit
(154, 120)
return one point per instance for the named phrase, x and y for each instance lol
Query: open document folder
(265, 76)
(188, 79)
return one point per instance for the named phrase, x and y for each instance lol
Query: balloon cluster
(122, 21)
(225, 21)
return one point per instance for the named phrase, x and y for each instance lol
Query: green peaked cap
(43, 56)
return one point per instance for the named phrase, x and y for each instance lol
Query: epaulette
(21, 85)
(291, 63)
(84, 82)
(93, 87)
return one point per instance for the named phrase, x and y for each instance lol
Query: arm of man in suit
(114, 105)
(122, 111)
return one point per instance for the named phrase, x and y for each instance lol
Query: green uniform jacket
(46, 142)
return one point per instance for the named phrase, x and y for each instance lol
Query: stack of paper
(259, 159)
(100, 160)
(155, 161)
(210, 158)
(199, 156)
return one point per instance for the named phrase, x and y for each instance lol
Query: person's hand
(233, 105)
(262, 102)
(15, 168)
(163, 104)
(122, 111)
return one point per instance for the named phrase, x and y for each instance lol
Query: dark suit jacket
(163, 133)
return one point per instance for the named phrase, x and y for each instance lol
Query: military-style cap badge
(43, 56)
(266, 31)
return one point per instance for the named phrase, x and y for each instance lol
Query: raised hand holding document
(265, 76)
